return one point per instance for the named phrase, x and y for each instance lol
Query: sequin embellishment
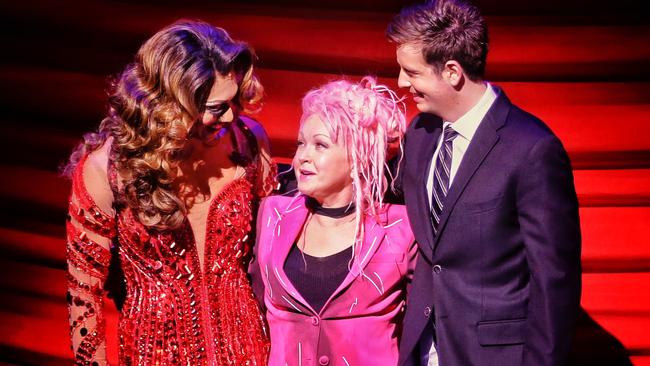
(176, 312)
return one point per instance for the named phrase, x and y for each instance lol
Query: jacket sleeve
(412, 261)
(254, 271)
(90, 228)
(548, 216)
(394, 169)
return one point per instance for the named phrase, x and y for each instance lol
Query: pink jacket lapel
(287, 223)
(373, 237)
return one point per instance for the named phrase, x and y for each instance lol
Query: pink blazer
(360, 323)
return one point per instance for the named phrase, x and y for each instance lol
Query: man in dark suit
(490, 196)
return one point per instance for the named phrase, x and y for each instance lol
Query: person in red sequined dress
(169, 182)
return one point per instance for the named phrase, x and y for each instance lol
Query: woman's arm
(90, 229)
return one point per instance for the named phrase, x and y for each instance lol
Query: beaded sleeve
(89, 231)
(269, 180)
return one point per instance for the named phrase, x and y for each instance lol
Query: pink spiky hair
(366, 116)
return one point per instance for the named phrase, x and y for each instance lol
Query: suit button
(427, 311)
(437, 268)
(323, 360)
(314, 321)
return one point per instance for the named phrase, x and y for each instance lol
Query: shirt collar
(467, 125)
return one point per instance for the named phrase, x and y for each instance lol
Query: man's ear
(452, 72)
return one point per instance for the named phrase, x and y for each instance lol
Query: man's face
(431, 92)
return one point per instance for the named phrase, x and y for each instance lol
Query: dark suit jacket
(502, 278)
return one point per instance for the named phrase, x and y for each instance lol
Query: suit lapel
(287, 229)
(426, 145)
(289, 223)
(482, 143)
(373, 237)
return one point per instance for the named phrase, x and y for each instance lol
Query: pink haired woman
(334, 260)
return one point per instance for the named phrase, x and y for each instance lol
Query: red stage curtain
(581, 67)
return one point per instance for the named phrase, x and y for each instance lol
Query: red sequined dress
(175, 311)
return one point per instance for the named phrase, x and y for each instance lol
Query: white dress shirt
(466, 127)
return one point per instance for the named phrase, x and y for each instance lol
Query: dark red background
(582, 66)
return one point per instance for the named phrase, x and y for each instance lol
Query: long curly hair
(365, 117)
(152, 106)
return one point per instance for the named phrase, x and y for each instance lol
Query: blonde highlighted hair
(153, 104)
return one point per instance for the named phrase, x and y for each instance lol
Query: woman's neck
(325, 221)
(204, 168)
(340, 211)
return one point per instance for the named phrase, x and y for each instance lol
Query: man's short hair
(446, 30)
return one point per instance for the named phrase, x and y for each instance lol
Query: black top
(316, 278)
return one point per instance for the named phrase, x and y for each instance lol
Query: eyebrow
(324, 135)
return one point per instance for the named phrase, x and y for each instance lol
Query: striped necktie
(441, 175)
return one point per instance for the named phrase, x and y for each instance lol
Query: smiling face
(218, 111)
(321, 165)
(432, 93)
(219, 106)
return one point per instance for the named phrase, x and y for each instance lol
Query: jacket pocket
(501, 332)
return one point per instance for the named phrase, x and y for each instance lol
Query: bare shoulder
(95, 176)
(97, 161)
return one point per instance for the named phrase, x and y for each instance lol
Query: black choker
(333, 212)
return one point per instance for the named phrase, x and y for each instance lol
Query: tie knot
(449, 133)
